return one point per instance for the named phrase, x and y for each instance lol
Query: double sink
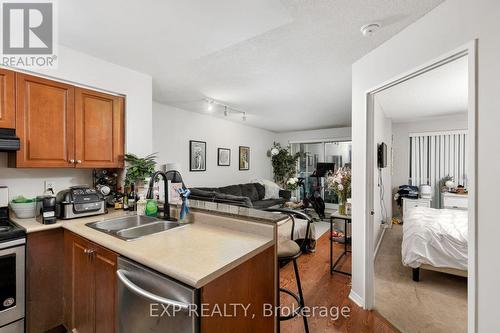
(133, 227)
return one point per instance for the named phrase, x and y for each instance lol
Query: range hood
(8, 140)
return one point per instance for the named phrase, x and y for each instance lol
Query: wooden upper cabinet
(44, 122)
(99, 129)
(7, 99)
(60, 125)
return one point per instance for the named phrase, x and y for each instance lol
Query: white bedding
(436, 237)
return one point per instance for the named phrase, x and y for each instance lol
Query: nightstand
(410, 203)
(454, 201)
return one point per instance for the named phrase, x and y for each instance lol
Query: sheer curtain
(436, 155)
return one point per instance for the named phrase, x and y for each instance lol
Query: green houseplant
(138, 169)
(284, 164)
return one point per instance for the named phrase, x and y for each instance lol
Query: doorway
(373, 182)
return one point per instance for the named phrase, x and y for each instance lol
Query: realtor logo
(28, 33)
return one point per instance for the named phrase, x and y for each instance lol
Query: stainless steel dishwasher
(147, 301)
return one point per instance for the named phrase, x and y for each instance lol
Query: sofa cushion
(208, 189)
(201, 193)
(231, 189)
(233, 199)
(261, 190)
(249, 190)
(262, 204)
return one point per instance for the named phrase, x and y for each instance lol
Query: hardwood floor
(324, 290)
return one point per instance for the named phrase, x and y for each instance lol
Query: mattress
(436, 237)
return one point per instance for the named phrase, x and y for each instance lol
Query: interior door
(44, 122)
(99, 120)
(7, 99)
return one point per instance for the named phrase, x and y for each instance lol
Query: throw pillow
(271, 188)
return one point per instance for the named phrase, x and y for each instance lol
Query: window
(436, 155)
(338, 152)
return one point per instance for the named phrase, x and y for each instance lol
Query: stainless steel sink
(147, 229)
(132, 227)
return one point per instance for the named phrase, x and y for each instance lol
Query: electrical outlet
(50, 184)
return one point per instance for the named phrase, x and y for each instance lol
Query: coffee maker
(46, 209)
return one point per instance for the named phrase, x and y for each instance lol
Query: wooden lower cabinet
(89, 286)
(251, 283)
(44, 278)
(72, 281)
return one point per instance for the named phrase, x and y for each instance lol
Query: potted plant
(139, 169)
(284, 165)
(340, 182)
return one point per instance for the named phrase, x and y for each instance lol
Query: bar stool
(289, 250)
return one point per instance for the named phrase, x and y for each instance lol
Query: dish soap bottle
(141, 206)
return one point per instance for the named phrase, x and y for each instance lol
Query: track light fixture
(227, 109)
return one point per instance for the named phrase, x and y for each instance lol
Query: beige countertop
(195, 253)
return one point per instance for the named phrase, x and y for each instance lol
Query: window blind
(436, 155)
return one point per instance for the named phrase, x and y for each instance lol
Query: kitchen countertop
(196, 253)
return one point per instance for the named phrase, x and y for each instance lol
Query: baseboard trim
(356, 299)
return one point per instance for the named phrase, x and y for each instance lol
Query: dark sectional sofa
(246, 195)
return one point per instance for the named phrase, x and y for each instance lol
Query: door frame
(469, 50)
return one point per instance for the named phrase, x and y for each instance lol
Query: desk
(347, 220)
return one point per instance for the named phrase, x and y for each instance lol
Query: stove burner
(5, 228)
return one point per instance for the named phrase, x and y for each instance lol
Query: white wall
(401, 133)
(82, 69)
(382, 133)
(314, 135)
(451, 25)
(174, 127)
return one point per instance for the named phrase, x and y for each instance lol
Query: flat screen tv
(323, 168)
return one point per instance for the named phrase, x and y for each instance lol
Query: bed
(435, 239)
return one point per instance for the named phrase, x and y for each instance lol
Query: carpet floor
(438, 303)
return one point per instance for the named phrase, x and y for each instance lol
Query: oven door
(12, 258)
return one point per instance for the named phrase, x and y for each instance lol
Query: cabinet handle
(79, 161)
(71, 161)
(89, 252)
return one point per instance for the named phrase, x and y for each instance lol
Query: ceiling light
(210, 105)
(226, 113)
(369, 29)
(244, 116)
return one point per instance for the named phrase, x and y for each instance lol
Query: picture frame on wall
(244, 158)
(197, 155)
(223, 156)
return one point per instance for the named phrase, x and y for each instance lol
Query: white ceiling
(439, 92)
(286, 63)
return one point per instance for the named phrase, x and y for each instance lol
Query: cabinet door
(7, 99)
(44, 277)
(99, 121)
(81, 284)
(105, 287)
(44, 122)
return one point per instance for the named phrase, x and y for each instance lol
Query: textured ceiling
(442, 91)
(286, 63)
